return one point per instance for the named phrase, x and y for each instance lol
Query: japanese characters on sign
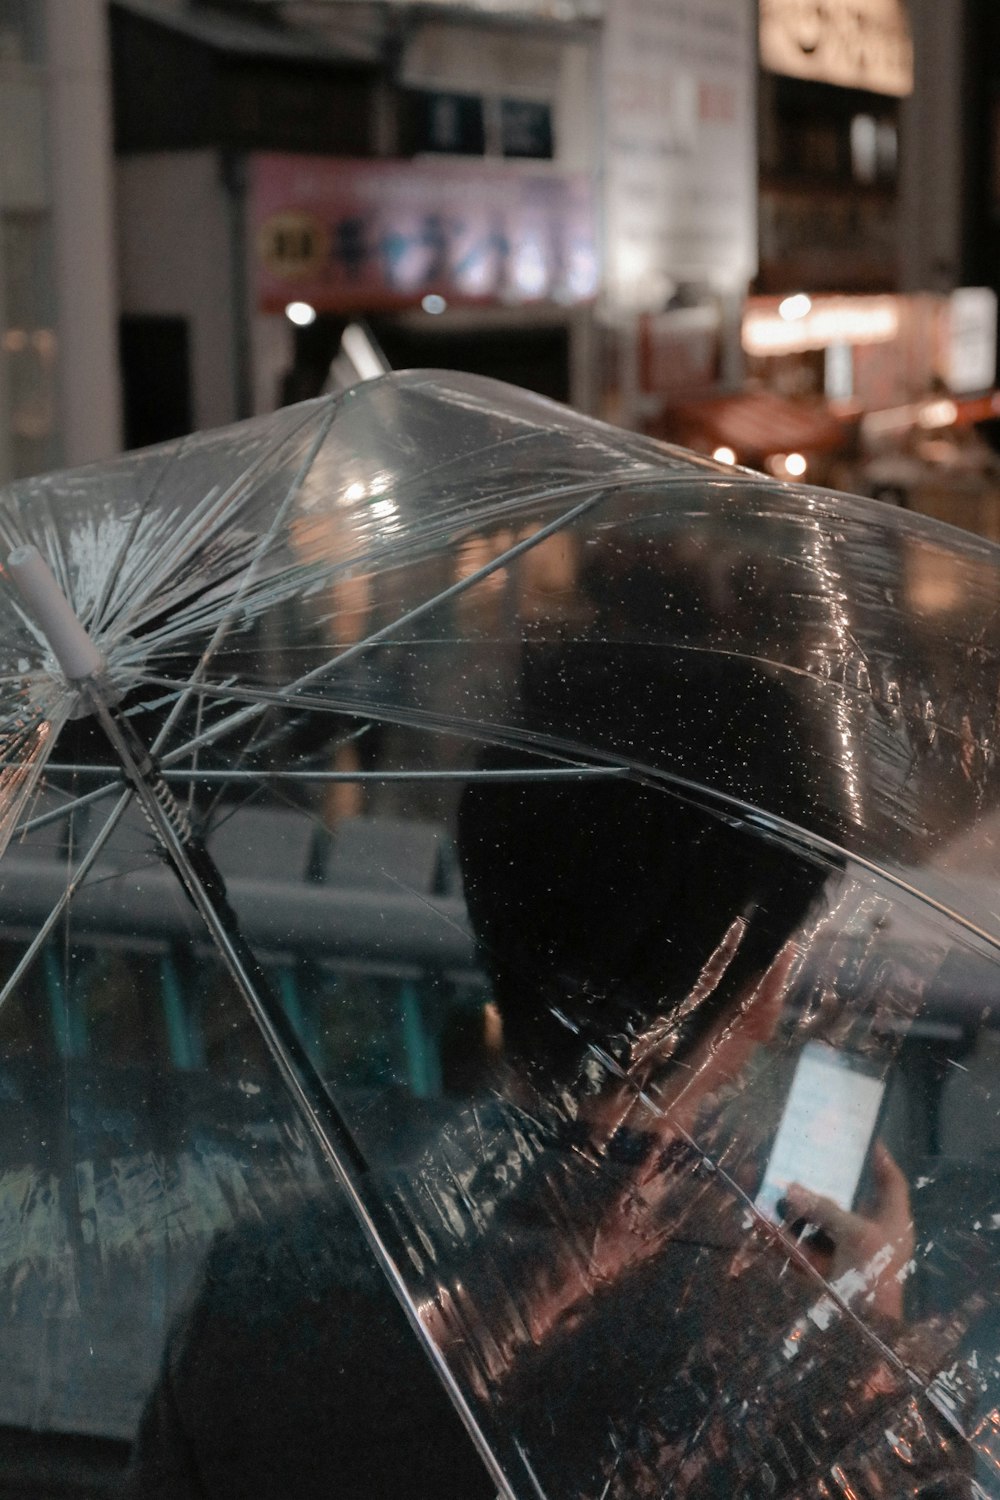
(346, 235)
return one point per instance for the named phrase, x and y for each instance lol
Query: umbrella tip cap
(72, 647)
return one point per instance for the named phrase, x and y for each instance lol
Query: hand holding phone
(826, 1130)
(867, 1254)
(824, 1144)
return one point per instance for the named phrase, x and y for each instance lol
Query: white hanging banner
(971, 340)
(680, 164)
(859, 44)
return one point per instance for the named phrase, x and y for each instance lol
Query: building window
(874, 150)
(525, 128)
(474, 125)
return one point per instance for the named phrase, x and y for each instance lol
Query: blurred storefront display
(348, 236)
(891, 396)
(579, 204)
(680, 196)
(760, 429)
(439, 186)
(421, 249)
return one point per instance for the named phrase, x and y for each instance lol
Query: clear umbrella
(552, 844)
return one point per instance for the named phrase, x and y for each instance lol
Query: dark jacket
(702, 1371)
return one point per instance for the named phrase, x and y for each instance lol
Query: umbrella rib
(72, 886)
(499, 735)
(317, 1108)
(565, 519)
(184, 774)
(411, 718)
(114, 572)
(222, 627)
(252, 569)
(209, 516)
(460, 587)
(85, 799)
(214, 503)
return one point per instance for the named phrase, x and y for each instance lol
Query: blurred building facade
(59, 380)
(576, 196)
(434, 176)
(870, 329)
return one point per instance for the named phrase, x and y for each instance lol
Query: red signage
(347, 235)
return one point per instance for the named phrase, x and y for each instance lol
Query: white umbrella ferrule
(68, 640)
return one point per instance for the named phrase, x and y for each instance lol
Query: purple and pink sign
(348, 235)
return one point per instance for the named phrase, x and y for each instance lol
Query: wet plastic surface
(569, 793)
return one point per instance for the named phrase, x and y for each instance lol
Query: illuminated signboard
(344, 235)
(859, 44)
(800, 323)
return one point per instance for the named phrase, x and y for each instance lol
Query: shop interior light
(434, 303)
(942, 413)
(300, 313)
(795, 465)
(724, 456)
(828, 320)
(795, 307)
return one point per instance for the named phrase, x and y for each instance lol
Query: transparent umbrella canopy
(500, 910)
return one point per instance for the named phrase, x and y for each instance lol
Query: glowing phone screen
(825, 1131)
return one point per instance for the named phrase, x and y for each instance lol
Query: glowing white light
(354, 492)
(792, 308)
(477, 275)
(582, 275)
(795, 465)
(830, 320)
(386, 514)
(531, 269)
(300, 313)
(724, 456)
(434, 304)
(943, 413)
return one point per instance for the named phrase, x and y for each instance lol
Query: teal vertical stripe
(423, 1063)
(187, 1047)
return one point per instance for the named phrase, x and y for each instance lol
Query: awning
(259, 36)
(754, 424)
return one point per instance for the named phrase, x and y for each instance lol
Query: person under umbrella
(640, 948)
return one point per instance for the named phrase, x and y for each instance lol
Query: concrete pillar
(81, 175)
(930, 181)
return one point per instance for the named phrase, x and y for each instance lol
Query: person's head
(601, 905)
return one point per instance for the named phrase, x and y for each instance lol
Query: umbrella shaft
(206, 889)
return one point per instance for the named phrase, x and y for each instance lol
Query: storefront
(892, 396)
(679, 198)
(484, 265)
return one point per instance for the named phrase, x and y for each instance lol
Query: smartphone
(826, 1130)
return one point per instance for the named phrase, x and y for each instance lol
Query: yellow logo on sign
(293, 244)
